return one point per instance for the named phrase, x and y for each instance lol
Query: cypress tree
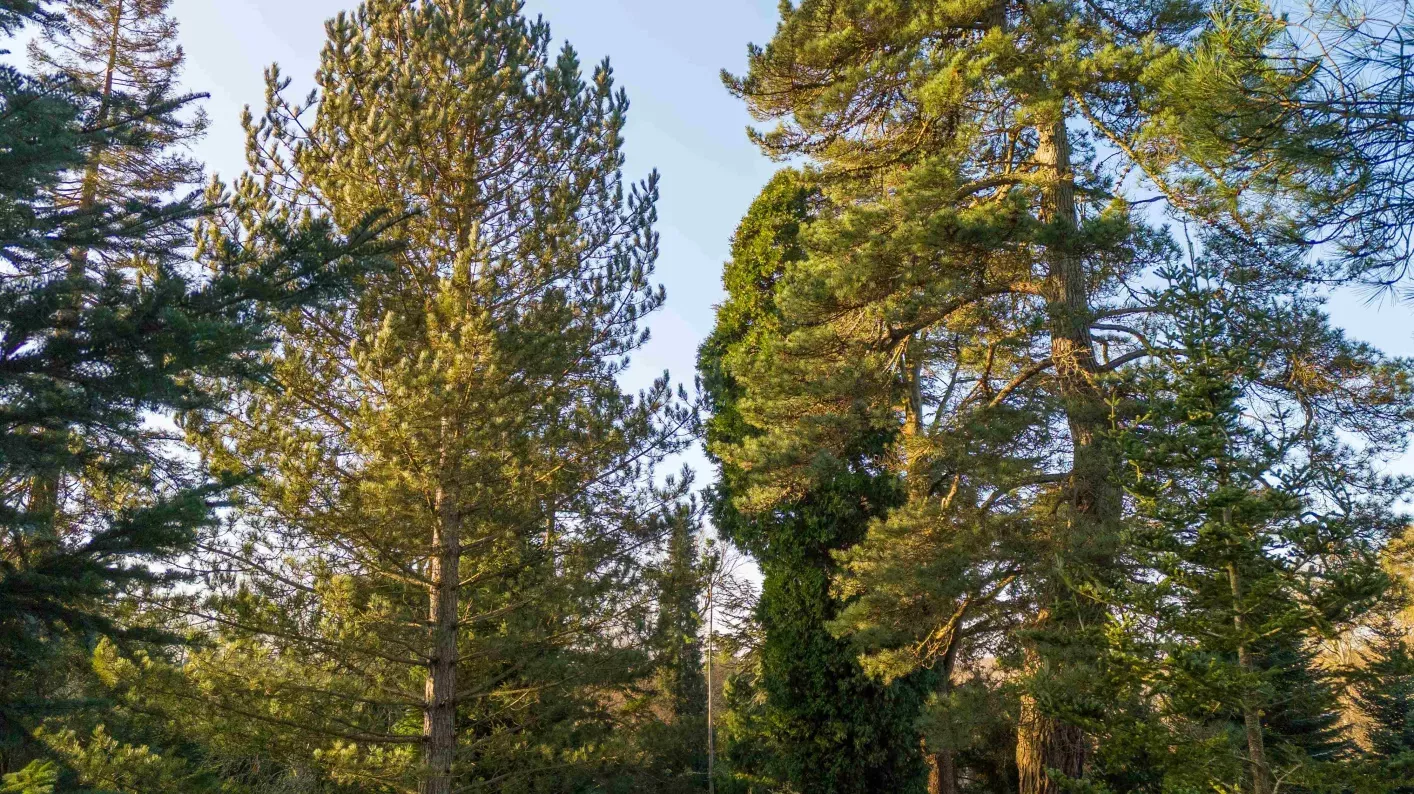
(821, 725)
(438, 549)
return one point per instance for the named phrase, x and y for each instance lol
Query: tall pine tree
(972, 284)
(435, 573)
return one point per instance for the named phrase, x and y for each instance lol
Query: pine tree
(679, 620)
(119, 60)
(972, 287)
(822, 725)
(434, 574)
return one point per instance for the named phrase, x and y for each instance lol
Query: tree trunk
(942, 773)
(1257, 763)
(942, 764)
(1042, 742)
(44, 489)
(439, 734)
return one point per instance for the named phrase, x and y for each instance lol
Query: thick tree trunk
(1042, 745)
(439, 735)
(1042, 742)
(942, 772)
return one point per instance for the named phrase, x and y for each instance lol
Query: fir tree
(91, 355)
(677, 739)
(118, 55)
(438, 551)
(1259, 523)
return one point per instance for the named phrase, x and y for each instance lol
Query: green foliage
(436, 570)
(1258, 520)
(1383, 691)
(1040, 503)
(39, 777)
(815, 722)
(110, 333)
(970, 290)
(677, 741)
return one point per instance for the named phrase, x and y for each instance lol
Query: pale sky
(667, 55)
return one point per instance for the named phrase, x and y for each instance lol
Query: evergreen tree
(91, 354)
(435, 576)
(675, 737)
(117, 55)
(1259, 522)
(1383, 691)
(971, 287)
(820, 725)
(678, 624)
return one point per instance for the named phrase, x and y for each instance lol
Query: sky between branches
(666, 54)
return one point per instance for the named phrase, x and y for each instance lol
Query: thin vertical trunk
(44, 489)
(942, 763)
(1251, 710)
(711, 713)
(88, 192)
(439, 709)
(1044, 743)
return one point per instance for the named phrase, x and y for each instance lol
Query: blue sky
(667, 55)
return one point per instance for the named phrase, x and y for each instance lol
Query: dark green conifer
(816, 722)
(99, 355)
(1258, 523)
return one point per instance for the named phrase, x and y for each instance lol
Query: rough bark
(942, 773)
(439, 709)
(1044, 743)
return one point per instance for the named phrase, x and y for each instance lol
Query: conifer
(117, 56)
(820, 724)
(1258, 521)
(1383, 692)
(97, 362)
(450, 492)
(972, 289)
